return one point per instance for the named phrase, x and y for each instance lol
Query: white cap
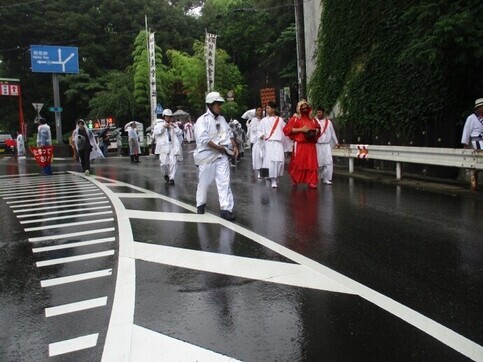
(167, 112)
(213, 97)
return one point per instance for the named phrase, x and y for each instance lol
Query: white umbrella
(249, 114)
(129, 125)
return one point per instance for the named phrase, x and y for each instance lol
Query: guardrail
(450, 157)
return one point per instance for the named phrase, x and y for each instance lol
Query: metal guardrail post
(398, 170)
(351, 165)
(474, 180)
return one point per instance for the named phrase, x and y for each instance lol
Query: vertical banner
(210, 50)
(152, 77)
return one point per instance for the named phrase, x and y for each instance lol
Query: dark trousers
(84, 158)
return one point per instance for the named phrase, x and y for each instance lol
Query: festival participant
(134, 147)
(325, 142)
(271, 133)
(255, 140)
(473, 130)
(189, 135)
(44, 139)
(168, 145)
(20, 145)
(304, 131)
(214, 140)
(86, 146)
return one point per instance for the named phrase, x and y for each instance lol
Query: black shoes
(171, 182)
(227, 215)
(201, 209)
(166, 178)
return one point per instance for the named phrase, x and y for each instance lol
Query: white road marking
(237, 266)
(69, 224)
(65, 211)
(75, 278)
(73, 245)
(75, 307)
(72, 345)
(59, 202)
(62, 206)
(43, 192)
(150, 346)
(74, 216)
(71, 259)
(55, 198)
(170, 216)
(70, 235)
(31, 189)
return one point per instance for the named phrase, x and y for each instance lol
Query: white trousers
(324, 157)
(219, 170)
(169, 164)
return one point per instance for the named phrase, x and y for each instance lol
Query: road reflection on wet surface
(421, 249)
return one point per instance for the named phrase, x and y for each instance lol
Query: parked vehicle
(7, 143)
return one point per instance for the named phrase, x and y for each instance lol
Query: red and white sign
(9, 89)
(362, 151)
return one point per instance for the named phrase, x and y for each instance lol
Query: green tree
(191, 72)
(141, 68)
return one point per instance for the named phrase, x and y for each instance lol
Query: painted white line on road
(36, 183)
(170, 216)
(79, 198)
(69, 235)
(55, 198)
(65, 211)
(66, 217)
(237, 266)
(135, 196)
(62, 206)
(46, 192)
(31, 189)
(72, 345)
(69, 224)
(73, 245)
(75, 278)
(152, 346)
(71, 259)
(75, 307)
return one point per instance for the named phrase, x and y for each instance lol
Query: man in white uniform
(214, 142)
(20, 145)
(168, 146)
(326, 141)
(473, 130)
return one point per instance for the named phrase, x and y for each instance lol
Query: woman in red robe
(304, 131)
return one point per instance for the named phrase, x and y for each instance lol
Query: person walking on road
(20, 145)
(214, 142)
(134, 148)
(255, 141)
(44, 139)
(304, 131)
(167, 145)
(86, 146)
(473, 130)
(270, 132)
(326, 141)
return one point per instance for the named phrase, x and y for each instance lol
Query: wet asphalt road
(420, 249)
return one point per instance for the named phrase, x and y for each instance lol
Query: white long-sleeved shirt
(327, 132)
(210, 128)
(473, 128)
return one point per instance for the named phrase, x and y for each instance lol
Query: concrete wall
(312, 14)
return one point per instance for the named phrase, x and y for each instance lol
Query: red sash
(273, 128)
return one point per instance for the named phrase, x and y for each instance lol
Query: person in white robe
(168, 146)
(472, 136)
(255, 141)
(326, 141)
(85, 145)
(20, 145)
(271, 133)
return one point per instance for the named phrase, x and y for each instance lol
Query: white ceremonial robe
(326, 141)
(273, 154)
(168, 147)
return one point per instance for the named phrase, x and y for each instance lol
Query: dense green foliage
(399, 72)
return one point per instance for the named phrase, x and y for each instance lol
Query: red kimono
(303, 166)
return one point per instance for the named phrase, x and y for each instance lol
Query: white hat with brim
(479, 102)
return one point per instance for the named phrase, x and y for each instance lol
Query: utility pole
(300, 38)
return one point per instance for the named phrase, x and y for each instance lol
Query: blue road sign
(55, 109)
(159, 109)
(54, 59)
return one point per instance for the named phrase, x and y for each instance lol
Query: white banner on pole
(210, 50)
(152, 77)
